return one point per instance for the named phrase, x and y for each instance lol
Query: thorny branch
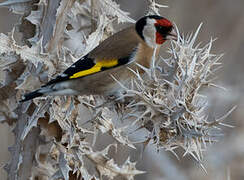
(165, 101)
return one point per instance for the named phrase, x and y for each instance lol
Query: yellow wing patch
(96, 68)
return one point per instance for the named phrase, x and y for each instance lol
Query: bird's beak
(172, 35)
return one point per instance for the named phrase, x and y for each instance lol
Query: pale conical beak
(172, 35)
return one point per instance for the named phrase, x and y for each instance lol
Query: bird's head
(154, 30)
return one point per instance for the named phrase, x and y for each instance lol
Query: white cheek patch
(149, 33)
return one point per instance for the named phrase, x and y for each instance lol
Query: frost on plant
(56, 137)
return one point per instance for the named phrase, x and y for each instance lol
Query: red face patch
(159, 38)
(163, 27)
(164, 22)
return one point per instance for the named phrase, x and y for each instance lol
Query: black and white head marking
(145, 27)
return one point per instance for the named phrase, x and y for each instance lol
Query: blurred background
(222, 19)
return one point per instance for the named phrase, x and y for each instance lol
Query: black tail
(31, 95)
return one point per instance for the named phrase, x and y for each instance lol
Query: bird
(94, 73)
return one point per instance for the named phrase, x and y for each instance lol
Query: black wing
(86, 66)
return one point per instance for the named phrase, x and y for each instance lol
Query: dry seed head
(166, 99)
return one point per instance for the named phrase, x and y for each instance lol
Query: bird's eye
(163, 29)
(159, 27)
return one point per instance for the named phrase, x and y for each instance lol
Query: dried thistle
(166, 100)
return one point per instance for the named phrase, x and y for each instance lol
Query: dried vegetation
(52, 140)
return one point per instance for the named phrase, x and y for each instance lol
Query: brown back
(119, 45)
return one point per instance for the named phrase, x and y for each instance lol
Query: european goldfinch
(92, 73)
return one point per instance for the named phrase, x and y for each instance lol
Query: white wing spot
(63, 75)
